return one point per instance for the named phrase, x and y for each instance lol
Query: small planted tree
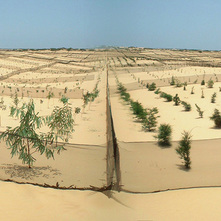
(183, 150)
(138, 110)
(199, 111)
(176, 99)
(203, 82)
(192, 90)
(172, 81)
(24, 140)
(210, 83)
(61, 122)
(49, 96)
(152, 87)
(150, 122)
(186, 106)
(216, 117)
(213, 98)
(164, 135)
(202, 94)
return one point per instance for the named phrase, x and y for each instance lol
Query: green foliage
(50, 95)
(202, 95)
(210, 83)
(150, 122)
(176, 99)
(203, 82)
(77, 110)
(65, 90)
(24, 140)
(199, 111)
(184, 148)
(213, 98)
(61, 122)
(172, 81)
(152, 87)
(168, 97)
(16, 100)
(64, 99)
(138, 110)
(186, 106)
(157, 91)
(164, 134)
(178, 83)
(216, 117)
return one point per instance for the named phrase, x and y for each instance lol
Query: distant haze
(93, 23)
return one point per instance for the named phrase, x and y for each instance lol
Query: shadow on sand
(18, 171)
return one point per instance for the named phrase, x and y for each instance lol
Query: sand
(26, 202)
(145, 167)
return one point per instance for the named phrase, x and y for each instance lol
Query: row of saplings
(25, 139)
(149, 120)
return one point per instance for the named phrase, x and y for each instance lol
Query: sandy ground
(144, 166)
(26, 202)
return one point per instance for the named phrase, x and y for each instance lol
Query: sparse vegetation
(213, 98)
(186, 106)
(150, 122)
(216, 117)
(210, 83)
(183, 150)
(164, 134)
(199, 111)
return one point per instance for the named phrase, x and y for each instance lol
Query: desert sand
(145, 168)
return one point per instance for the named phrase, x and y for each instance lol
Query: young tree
(61, 122)
(199, 111)
(150, 122)
(187, 106)
(213, 98)
(210, 83)
(176, 99)
(164, 134)
(184, 148)
(152, 87)
(49, 96)
(216, 117)
(24, 140)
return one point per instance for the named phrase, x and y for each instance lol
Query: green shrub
(210, 83)
(213, 98)
(176, 99)
(202, 95)
(216, 117)
(164, 134)
(199, 111)
(184, 148)
(152, 87)
(150, 122)
(168, 97)
(157, 91)
(203, 82)
(186, 106)
(172, 81)
(138, 110)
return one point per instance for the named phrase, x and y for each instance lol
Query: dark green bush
(176, 99)
(216, 117)
(213, 98)
(186, 106)
(138, 110)
(152, 87)
(150, 122)
(164, 134)
(203, 82)
(210, 83)
(184, 149)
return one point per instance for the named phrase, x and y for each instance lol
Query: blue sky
(191, 24)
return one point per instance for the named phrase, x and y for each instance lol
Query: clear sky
(191, 24)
